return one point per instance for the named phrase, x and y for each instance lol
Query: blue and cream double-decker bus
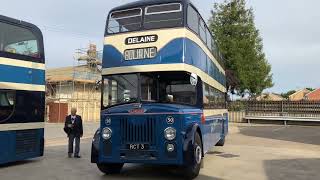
(164, 88)
(22, 90)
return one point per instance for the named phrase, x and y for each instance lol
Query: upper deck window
(124, 21)
(163, 16)
(193, 19)
(18, 40)
(165, 8)
(209, 39)
(202, 31)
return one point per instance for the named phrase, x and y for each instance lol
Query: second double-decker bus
(164, 88)
(22, 90)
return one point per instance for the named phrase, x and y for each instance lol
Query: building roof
(314, 95)
(299, 95)
(81, 73)
(270, 97)
(146, 3)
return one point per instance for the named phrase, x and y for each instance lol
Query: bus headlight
(170, 133)
(106, 133)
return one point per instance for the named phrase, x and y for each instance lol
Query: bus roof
(20, 22)
(147, 3)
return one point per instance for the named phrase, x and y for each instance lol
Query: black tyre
(110, 168)
(221, 142)
(192, 170)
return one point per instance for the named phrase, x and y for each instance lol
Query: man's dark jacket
(77, 128)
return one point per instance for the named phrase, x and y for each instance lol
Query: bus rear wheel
(192, 171)
(107, 168)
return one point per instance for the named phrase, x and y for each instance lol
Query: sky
(289, 28)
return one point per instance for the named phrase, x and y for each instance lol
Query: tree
(287, 94)
(232, 25)
(310, 89)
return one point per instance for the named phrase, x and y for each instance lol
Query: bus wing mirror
(193, 79)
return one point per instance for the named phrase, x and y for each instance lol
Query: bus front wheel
(192, 170)
(110, 168)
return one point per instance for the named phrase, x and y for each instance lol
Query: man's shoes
(77, 156)
(69, 155)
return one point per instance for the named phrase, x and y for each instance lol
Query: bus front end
(144, 133)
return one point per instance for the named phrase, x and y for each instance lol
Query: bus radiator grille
(138, 131)
(26, 141)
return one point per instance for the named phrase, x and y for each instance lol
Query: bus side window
(7, 103)
(209, 39)
(202, 31)
(7, 98)
(206, 96)
(193, 20)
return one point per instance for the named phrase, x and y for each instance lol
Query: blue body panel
(185, 117)
(213, 130)
(11, 151)
(180, 50)
(29, 107)
(21, 75)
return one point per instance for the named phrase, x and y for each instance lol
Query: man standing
(74, 129)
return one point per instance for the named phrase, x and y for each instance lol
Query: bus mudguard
(189, 141)
(95, 147)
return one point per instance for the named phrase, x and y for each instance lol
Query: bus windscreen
(124, 21)
(163, 16)
(18, 40)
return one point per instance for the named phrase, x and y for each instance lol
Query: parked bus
(22, 90)
(164, 88)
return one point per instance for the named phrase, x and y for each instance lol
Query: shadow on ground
(17, 163)
(222, 154)
(293, 169)
(152, 172)
(300, 134)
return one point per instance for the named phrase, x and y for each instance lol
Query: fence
(239, 110)
(283, 108)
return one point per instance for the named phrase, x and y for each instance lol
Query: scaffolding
(75, 86)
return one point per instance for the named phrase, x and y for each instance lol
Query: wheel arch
(95, 147)
(190, 139)
(198, 130)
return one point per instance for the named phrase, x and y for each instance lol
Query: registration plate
(138, 146)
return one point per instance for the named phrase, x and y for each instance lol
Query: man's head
(73, 111)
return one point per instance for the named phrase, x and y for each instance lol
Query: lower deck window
(213, 98)
(7, 103)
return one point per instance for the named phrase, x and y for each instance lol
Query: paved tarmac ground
(254, 152)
